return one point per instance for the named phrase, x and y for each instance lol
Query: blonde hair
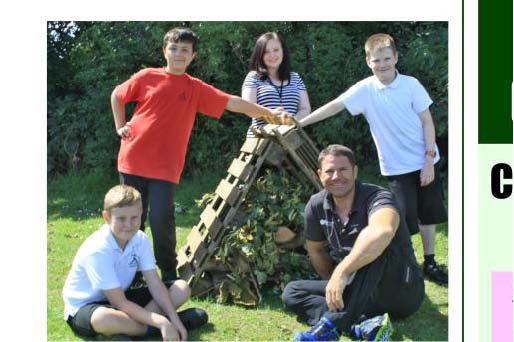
(379, 41)
(121, 196)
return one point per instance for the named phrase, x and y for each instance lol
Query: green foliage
(86, 60)
(266, 209)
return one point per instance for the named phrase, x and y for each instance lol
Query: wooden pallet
(282, 146)
(204, 238)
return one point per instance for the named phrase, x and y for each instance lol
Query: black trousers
(392, 283)
(159, 196)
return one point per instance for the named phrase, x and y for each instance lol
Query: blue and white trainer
(378, 328)
(324, 330)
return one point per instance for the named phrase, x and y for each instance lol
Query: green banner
(495, 72)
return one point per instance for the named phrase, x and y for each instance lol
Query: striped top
(273, 96)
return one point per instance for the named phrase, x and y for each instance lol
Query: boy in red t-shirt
(154, 142)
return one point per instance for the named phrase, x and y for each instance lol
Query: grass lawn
(74, 206)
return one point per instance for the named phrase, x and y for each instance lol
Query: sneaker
(324, 330)
(193, 318)
(435, 273)
(378, 328)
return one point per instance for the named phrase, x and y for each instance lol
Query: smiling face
(338, 175)
(124, 222)
(273, 54)
(178, 56)
(382, 62)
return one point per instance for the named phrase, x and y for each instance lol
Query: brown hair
(379, 41)
(121, 196)
(336, 150)
(180, 35)
(257, 61)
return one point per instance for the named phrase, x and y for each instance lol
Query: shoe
(378, 328)
(193, 318)
(435, 273)
(324, 330)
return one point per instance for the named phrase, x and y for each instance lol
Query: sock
(429, 259)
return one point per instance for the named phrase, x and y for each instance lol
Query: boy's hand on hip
(426, 175)
(124, 132)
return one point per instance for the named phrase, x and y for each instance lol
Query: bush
(86, 60)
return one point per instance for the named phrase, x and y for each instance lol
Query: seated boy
(95, 293)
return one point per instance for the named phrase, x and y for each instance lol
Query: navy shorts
(81, 322)
(419, 204)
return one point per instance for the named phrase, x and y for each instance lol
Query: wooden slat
(284, 129)
(194, 239)
(254, 146)
(293, 138)
(240, 169)
(186, 272)
(229, 192)
(209, 217)
(250, 145)
(268, 129)
(259, 132)
(215, 230)
(200, 256)
(181, 257)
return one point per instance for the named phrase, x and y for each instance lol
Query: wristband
(430, 153)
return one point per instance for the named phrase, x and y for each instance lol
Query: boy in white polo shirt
(96, 299)
(397, 110)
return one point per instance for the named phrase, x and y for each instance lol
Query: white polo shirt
(100, 264)
(392, 114)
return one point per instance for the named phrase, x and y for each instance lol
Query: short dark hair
(336, 150)
(182, 35)
(257, 62)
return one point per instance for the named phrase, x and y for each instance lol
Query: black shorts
(419, 204)
(81, 322)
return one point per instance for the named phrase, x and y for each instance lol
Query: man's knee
(290, 293)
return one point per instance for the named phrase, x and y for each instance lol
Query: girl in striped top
(271, 83)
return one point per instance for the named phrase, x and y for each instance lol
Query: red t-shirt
(163, 119)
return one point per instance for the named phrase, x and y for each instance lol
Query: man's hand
(426, 175)
(334, 291)
(124, 132)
